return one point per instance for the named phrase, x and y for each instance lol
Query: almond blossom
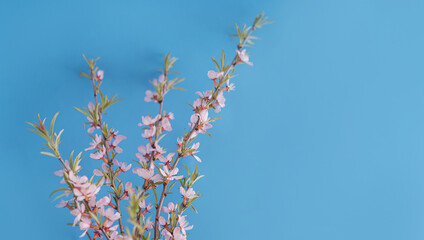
(193, 149)
(212, 75)
(188, 194)
(86, 192)
(220, 102)
(145, 208)
(166, 125)
(99, 75)
(184, 224)
(148, 120)
(169, 174)
(95, 143)
(200, 120)
(63, 203)
(99, 154)
(114, 145)
(122, 166)
(98, 212)
(244, 57)
(85, 225)
(144, 151)
(147, 174)
(150, 96)
(168, 158)
(78, 212)
(171, 208)
(111, 215)
(149, 133)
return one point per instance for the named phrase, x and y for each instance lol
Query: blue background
(322, 139)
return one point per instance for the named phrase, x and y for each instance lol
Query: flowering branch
(96, 216)
(97, 76)
(70, 178)
(200, 121)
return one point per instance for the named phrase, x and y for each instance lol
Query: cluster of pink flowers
(179, 231)
(84, 202)
(101, 216)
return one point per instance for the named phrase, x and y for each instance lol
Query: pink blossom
(84, 225)
(171, 208)
(148, 120)
(103, 202)
(77, 212)
(169, 175)
(115, 143)
(161, 80)
(205, 95)
(166, 125)
(149, 133)
(231, 87)
(178, 235)
(167, 159)
(99, 75)
(166, 233)
(121, 165)
(151, 96)
(184, 224)
(96, 141)
(115, 236)
(158, 148)
(86, 192)
(111, 215)
(202, 119)
(147, 174)
(144, 151)
(62, 203)
(109, 224)
(212, 75)
(244, 57)
(99, 154)
(162, 221)
(220, 101)
(147, 223)
(129, 188)
(195, 147)
(179, 142)
(170, 115)
(142, 205)
(188, 194)
(78, 181)
(198, 103)
(97, 172)
(91, 106)
(59, 173)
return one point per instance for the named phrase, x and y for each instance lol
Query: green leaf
(83, 112)
(194, 209)
(82, 74)
(48, 154)
(217, 65)
(156, 195)
(57, 190)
